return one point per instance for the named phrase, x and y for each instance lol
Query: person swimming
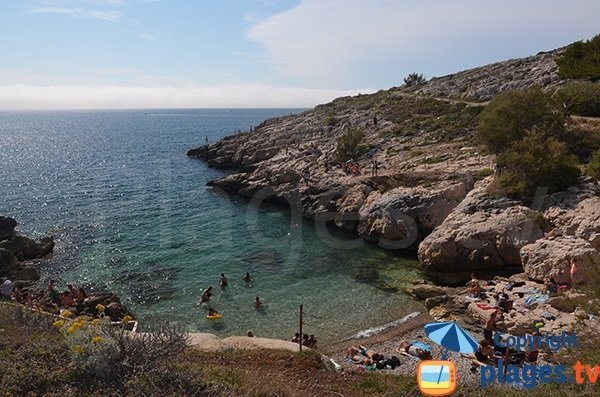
(257, 302)
(212, 312)
(223, 280)
(247, 278)
(206, 294)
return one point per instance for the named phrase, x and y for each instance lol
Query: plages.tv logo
(438, 377)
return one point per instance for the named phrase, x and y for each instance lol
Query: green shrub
(538, 161)
(581, 98)
(414, 79)
(512, 114)
(593, 167)
(581, 60)
(350, 146)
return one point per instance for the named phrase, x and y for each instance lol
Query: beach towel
(420, 345)
(541, 298)
(485, 306)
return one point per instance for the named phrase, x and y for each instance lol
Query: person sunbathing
(362, 355)
(412, 350)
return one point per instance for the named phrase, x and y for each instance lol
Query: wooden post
(301, 335)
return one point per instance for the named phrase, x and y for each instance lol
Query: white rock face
(576, 214)
(552, 258)
(482, 234)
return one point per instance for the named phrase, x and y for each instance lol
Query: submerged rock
(7, 227)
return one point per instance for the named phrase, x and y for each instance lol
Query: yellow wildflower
(66, 313)
(127, 319)
(96, 322)
(78, 349)
(96, 339)
(58, 323)
(100, 307)
(71, 329)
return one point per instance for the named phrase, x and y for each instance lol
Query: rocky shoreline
(19, 257)
(418, 181)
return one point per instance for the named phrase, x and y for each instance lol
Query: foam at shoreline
(376, 330)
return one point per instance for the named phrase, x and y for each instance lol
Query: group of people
(223, 283)
(307, 340)
(49, 299)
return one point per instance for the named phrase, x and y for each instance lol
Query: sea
(131, 214)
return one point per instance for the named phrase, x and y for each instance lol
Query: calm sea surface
(130, 213)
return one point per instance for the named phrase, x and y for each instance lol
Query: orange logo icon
(436, 378)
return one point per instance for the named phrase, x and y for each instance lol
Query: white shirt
(6, 288)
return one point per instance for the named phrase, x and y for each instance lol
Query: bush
(593, 167)
(512, 114)
(349, 145)
(539, 161)
(414, 79)
(581, 98)
(581, 60)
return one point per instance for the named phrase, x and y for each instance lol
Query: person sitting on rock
(296, 337)
(505, 303)
(312, 341)
(550, 286)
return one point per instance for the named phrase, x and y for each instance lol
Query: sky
(115, 54)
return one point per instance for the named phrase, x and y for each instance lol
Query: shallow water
(131, 213)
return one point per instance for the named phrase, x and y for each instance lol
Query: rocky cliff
(415, 159)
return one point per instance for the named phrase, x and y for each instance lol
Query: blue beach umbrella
(452, 337)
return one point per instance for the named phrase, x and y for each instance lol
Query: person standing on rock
(573, 272)
(490, 327)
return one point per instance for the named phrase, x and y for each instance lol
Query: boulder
(576, 214)
(25, 248)
(552, 258)
(424, 291)
(401, 217)
(483, 234)
(7, 227)
(116, 311)
(8, 261)
(24, 274)
(562, 304)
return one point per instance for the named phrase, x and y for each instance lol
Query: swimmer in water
(223, 280)
(257, 302)
(247, 278)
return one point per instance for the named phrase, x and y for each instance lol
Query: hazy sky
(259, 53)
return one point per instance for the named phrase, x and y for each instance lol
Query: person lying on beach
(408, 348)
(362, 355)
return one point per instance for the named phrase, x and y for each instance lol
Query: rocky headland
(417, 180)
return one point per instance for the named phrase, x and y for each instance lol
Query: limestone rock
(576, 213)
(552, 258)
(25, 248)
(8, 261)
(482, 234)
(24, 274)
(7, 227)
(424, 291)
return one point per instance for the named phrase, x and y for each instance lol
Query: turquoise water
(130, 213)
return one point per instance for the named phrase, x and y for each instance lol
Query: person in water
(247, 277)
(212, 312)
(206, 294)
(257, 302)
(223, 280)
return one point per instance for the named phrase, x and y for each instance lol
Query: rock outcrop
(483, 234)
(575, 212)
(552, 258)
(485, 82)
(15, 250)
